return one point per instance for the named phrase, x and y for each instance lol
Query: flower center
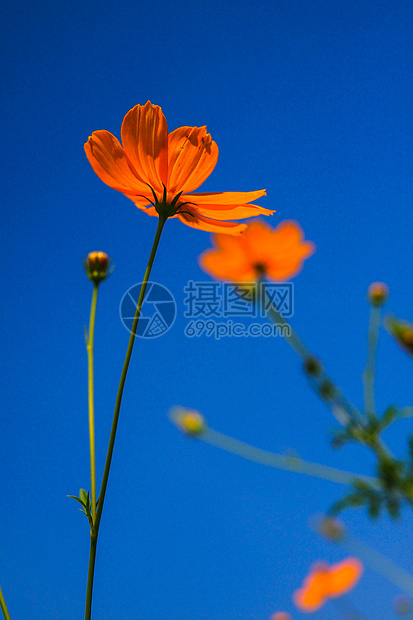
(260, 270)
(168, 209)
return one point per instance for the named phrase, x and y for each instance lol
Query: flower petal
(144, 136)
(148, 210)
(192, 156)
(194, 220)
(277, 254)
(344, 576)
(314, 592)
(111, 164)
(232, 268)
(227, 212)
(228, 198)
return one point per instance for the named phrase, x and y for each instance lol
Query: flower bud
(189, 421)
(332, 529)
(378, 293)
(402, 332)
(97, 266)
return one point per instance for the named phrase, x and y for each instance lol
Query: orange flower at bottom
(326, 582)
(259, 252)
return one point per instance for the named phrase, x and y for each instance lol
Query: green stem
(91, 573)
(336, 397)
(89, 347)
(95, 529)
(370, 370)
(3, 607)
(280, 461)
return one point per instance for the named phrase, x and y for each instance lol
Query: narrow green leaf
(83, 496)
(78, 500)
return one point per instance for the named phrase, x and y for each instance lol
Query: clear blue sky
(311, 100)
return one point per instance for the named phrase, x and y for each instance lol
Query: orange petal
(225, 266)
(344, 576)
(144, 136)
(192, 156)
(194, 220)
(307, 600)
(314, 592)
(229, 198)
(284, 271)
(149, 210)
(259, 241)
(228, 212)
(111, 164)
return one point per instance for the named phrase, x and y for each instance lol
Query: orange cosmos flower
(326, 582)
(261, 251)
(159, 171)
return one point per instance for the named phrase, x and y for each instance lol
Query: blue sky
(310, 100)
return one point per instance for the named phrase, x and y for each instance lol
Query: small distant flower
(402, 332)
(159, 171)
(326, 582)
(280, 615)
(260, 252)
(97, 266)
(189, 421)
(378, 293)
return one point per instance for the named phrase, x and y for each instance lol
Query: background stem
(89, 347)
(369, 372)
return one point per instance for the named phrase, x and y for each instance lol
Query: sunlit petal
(192, 156)
(226, 212)
(111, 164)
(194, 220)
(227, 198)
(144, 136)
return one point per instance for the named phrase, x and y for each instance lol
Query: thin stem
(279, 461)
(89, 347)
(95, 529)
(336, 397)
(370, 370)
(338, 403)
(3, 607)
(91, 574)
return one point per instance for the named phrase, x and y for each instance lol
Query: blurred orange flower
(260, 252)
(280, 615)
(159, 171)
(326, 582)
